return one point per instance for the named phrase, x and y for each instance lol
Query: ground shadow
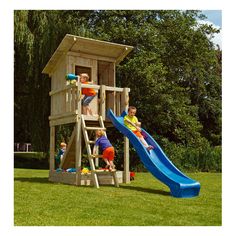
(43, 180)
(146, 190)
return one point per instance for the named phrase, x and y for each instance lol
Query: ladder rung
(94, 128)
(96, 156)
(104, 172)
(91, 141)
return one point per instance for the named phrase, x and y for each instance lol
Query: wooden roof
(89, 46)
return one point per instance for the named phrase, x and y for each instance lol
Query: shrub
(205, 158)
(31, 160)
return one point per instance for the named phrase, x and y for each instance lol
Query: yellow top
(133, 119)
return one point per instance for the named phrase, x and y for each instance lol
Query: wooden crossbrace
(68, 148)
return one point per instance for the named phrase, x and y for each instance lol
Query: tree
(174, 71)
(36, 36)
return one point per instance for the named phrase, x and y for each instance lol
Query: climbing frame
(99, 59)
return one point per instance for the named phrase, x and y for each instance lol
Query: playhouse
(76, 55)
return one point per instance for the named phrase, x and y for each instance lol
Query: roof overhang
(79, 44)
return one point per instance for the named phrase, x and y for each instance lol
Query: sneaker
(107, 167)
(150, 147)
(113, 168)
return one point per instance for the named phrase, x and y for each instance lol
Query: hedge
(31, 160)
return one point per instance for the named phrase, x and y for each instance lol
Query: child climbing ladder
(108, 152)
(94, 172)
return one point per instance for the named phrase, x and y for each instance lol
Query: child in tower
(108, 151)
(88, 93)
(131, 122)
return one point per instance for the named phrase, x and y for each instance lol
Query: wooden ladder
(88, 142)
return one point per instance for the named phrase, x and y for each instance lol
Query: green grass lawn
(144, 202)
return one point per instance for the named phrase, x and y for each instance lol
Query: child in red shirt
(88, 93)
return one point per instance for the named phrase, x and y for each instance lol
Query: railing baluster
(70, 99)
(103, 101)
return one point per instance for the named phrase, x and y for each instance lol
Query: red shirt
(88, 91)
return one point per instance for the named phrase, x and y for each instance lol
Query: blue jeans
(87, 99)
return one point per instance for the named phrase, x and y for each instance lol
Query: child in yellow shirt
(131, 122)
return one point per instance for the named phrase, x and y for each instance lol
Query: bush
(205, 158)
(31, 160)
(210, 159)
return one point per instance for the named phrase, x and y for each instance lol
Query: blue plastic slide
(157, 162)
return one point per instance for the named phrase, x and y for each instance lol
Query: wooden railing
(67, 101)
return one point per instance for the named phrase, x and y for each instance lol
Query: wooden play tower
(78, 55)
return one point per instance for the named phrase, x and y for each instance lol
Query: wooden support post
(118, 103)
(78, 136)
(96, 162)
(103, 102)
(70, 99)
(73, 97)
(114, 103)
(126, 174)
(79, 96)
(78, 150)
(124, 107)
(125, 100)
(116, 182)
(52, 148)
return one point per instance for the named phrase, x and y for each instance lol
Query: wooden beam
(112, 89)
(124, 107)
(94, 128)
(62, 121)
(116, 182)
(78, 150)
(78, 157)
(55, 117)
(94, 86)
(103, 102)
(51, 93)
(69, 145)
(52, 148)
(96, 156)
(125, 99)
(126, 176)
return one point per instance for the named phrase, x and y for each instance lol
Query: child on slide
(131, 122)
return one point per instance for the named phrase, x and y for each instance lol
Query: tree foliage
(174, 72)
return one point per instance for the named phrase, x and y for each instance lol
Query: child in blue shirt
(60, 153)
(108, 151)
